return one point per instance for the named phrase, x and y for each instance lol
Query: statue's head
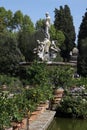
(47, 14)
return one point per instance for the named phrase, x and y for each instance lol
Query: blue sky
(36, 9)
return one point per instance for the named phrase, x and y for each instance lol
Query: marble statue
(53, 50)
(46, 48)
(47, 25)
(54, 47)
(43, 49)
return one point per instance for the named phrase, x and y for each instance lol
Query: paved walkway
(43, 121)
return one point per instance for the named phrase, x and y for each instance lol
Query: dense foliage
(39, 81)
(73, 106)
(28, 42)
(14, 21)
(10, 55)
(74, 101)
(82, 46)
(20, 28)
(40, 24)
(24, 98)
(64, 22)
(61, 76)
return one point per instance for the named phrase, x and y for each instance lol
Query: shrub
(35, 74)
(73, 107)
(12, 84)
(61, 76)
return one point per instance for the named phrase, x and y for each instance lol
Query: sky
(36, 9)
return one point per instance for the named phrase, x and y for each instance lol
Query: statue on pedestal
(46, 49)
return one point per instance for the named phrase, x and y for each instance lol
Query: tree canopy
(20, 27)
(82, 46)
(10, 55)
(64, 22)
(14, 21)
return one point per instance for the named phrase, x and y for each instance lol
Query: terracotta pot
(24, 123)
(16, 125)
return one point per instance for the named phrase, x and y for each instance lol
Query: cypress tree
(82, 46)
(64, 22)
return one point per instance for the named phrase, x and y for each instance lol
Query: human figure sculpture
(43, 49)
(46, 49)
(40, 50)
(47, 25)
(54, 47)
(53, 50)
(47, 44)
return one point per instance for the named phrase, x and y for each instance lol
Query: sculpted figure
(54, 47)
(46, 45)
(47, 25)
(46, 48)
(40, 49)
(43, 49)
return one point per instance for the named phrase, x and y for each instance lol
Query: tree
(83, 29)
(57, 35)
(64, 22)
(82, 46)
(18, 20)
(10, 55)
(82, 58)
(5, 19)
(61, 76)
(27, 43)
(27, 25)
(2, 22)
(40, 24)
